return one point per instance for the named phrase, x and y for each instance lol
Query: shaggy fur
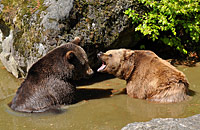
(50, 81)
(148, 76)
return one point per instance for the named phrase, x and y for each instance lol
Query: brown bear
(51, 80)
(148, 76)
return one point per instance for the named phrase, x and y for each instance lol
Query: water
(98, 108)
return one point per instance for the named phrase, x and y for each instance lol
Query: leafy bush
(174, 22)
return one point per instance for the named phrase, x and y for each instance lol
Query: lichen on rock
(41, 25)
(189, 123)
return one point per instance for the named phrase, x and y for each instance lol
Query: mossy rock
(39, 26)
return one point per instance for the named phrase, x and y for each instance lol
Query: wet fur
(148, 76)
(50, 81)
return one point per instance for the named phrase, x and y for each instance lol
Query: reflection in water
(101, 104)
(153, 110)
(92, 93)
(8, 84)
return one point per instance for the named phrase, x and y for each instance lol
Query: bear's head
(119, 62)
(69, 61)
(77, 61)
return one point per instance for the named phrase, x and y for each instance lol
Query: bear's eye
(110, 55)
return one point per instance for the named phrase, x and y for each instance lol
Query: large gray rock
(6, 55)
(57, 10)
(28, 36)
(29, 32)
(190, 123)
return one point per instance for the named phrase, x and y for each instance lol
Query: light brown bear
(148, 76)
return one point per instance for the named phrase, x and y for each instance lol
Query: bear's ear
(69, 55)
(128, 54)
(77, 40)
(128, 64)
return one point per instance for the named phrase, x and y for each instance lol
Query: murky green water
(98, 110)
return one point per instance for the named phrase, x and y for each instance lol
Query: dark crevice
(4, 28)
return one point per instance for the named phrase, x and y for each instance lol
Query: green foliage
(142, 46)
(174, 22)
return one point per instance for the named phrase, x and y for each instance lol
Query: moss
(100, 22)
(25, 33)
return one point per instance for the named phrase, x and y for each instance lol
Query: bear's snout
(99, 54)
(90, 72)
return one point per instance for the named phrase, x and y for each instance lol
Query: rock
(26, 37)
(57, 10)
(7, 57)
(1, 39)
(189, 123)
(1, 7)
(39, 27)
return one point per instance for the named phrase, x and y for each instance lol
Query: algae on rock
(36, 27)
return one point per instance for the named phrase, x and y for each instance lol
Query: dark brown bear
(148, 76)
(51, 80)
